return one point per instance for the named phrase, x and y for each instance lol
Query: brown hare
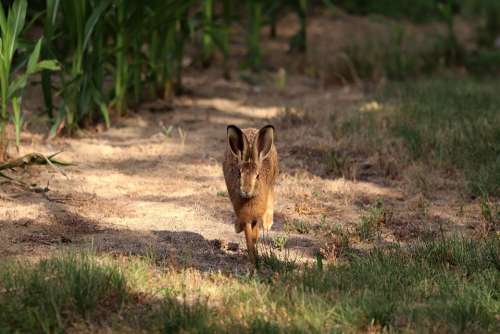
(250, 170)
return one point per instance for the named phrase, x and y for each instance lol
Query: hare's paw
(267, 221)
(238, 227)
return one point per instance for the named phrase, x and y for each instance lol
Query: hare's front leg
(251, 235)
(267, 218)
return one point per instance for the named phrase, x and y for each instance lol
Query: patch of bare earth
(138, 189)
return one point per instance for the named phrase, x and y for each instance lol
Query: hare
(250, 171)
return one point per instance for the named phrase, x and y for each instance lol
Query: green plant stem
(207, 32)
(121, 63)
(255, 22)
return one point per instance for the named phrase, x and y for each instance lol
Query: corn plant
(253, 38)
(12, 84)
(127, 22)
(168, 27)
(220, 30)
(81, 86)
(216, 31)
(298, 41)
(49, 30)
(208, 45)
(273, 17)
(227, 13)
(450, 45)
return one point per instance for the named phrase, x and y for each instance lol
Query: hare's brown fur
(256, 210)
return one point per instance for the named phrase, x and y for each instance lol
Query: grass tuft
(49, 295)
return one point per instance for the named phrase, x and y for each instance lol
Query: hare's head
(250, 153)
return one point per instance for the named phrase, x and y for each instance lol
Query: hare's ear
(264, 141)
(236, 140)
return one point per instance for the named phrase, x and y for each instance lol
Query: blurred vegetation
(450, 284)
(416, 10)
(113, 54)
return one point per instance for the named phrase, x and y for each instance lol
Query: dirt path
(136, 190)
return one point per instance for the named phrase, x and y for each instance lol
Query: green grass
(49, 296)
(449, 124)
(453, 123)
(370, 223)
(222, 193)
(298, 226)
(439, 286)
(279, 241)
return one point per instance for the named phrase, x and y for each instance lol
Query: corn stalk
(208, 45)
(273, 17)
(299, 40)
(253, 38)
(165, 51)
(81, 93)
(227, 13)
(12, 84)
(121, 66)
(49, 30)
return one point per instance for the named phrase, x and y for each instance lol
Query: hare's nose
(245, 194)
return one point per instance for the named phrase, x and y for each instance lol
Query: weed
(184, 316)
(371, 222)
(336, 163)
(336, 240)
(167, 131)
(222, 193)
(490, 216)
(280, 241)
(292, 117)
(343, 236)
(299, 226)
(275, 263)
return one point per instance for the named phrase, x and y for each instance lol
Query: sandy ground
(135, 190)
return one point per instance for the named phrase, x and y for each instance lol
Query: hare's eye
(258, 175)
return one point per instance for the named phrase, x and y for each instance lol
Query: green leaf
(52, 7)
(59, 121)
(92, 21)
(35, 55)
(2, 58)
(34, 66)
(18, 121)
(17, 85)
(96, 96)
(51, 65)
(15, 23)
(3, 21)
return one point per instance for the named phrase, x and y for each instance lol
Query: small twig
(6, 176)
(28, 160)
(51, 164)
(33, 159)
